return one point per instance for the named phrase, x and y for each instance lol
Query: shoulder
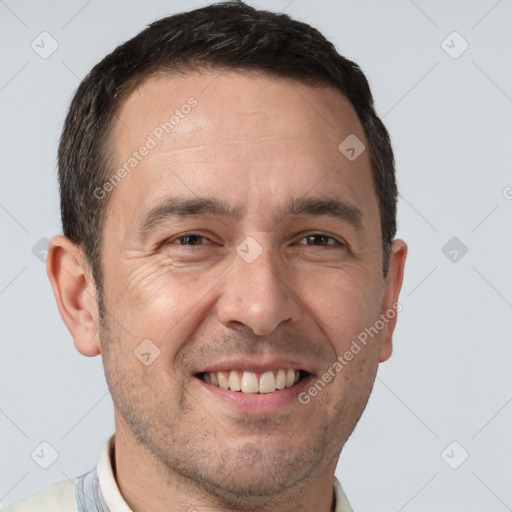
(58, 497)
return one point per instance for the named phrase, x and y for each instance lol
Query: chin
(254, 476)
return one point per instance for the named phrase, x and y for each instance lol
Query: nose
(255, 295)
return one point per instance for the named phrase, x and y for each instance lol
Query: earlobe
(390, 304)
(75, 293)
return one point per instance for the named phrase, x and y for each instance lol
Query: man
(228, 202)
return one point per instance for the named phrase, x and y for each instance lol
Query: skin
(254, 141)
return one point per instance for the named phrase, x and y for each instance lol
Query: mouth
(244, 381)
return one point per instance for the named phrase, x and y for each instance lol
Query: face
(241, 241)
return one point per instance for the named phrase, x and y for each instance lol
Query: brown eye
(318, 239)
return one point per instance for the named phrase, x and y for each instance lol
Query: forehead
(230, 106)
(243, 137)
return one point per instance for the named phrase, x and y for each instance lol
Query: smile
(250, 382)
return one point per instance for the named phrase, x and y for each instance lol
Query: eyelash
(337, 243)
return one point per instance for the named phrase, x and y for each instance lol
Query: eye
(187, 239)
(319, 239)
(313, 239)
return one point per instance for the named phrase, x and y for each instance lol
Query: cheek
(160, 302)
(343, 302)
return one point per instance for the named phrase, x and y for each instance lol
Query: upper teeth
(249, 382)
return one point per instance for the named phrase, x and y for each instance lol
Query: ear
(75, 293)
(392, 286)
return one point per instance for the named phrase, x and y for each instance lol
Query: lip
(257, 366)
(254, 403)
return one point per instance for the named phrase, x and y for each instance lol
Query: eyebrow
(178, 208)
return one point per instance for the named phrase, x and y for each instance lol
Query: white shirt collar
(111, 493)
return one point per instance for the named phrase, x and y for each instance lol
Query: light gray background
(449, 378)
